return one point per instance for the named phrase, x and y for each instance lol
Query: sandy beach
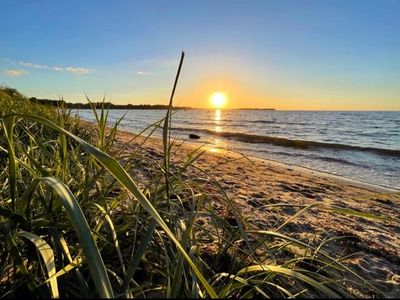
(370, 246)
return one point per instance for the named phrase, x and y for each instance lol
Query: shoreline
(363, 224)
(354, 182)
(364, 164)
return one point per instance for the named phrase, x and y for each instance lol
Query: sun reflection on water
(217, 120)
(218, 144)
(217, 115)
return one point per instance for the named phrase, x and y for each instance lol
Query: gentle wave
(261, 121)
(213, 123)
(278, 141)
(276, 122)
(315, 157)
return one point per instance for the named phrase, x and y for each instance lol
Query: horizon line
(125, 106)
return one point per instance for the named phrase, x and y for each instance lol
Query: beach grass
(75, 220)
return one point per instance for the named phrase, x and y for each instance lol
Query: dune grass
(75, 223)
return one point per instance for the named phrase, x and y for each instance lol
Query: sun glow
(218, 100)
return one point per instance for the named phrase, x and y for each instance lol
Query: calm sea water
(360, 145)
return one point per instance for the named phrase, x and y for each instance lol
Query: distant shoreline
(110, 105)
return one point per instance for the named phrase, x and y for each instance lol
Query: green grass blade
(63, 151)
(75, 263)
(168, 116)
(300, 243)
(291, 273)
(48, 258)
(167, 129)
(60, 241)
(297, 215)
(8, 127)
(138, 254)
(355, 213)
(114, 235)
(245, 282)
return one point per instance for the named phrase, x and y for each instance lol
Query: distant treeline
(109, 105)
(62, 103)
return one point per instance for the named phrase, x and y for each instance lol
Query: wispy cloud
(15, 72)
(69, 69)
(142, 73)
(77, 70)
(31, 65)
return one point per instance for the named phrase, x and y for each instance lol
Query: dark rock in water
(194, 136)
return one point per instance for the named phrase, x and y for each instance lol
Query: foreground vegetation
(74, 223)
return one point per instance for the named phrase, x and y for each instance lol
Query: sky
(300, 55)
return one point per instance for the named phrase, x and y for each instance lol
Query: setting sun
(218, 100)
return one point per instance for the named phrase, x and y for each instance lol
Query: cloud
(142, 73)
(31, 65)
(69, 69)
(77, 70)
(15, 72)
(74, 70)
(58, 69)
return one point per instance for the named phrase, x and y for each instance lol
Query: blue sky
(283, 54)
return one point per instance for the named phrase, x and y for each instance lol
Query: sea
(360, 145)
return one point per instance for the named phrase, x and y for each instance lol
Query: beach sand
(372, 247)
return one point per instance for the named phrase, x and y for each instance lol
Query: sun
(218, 100)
